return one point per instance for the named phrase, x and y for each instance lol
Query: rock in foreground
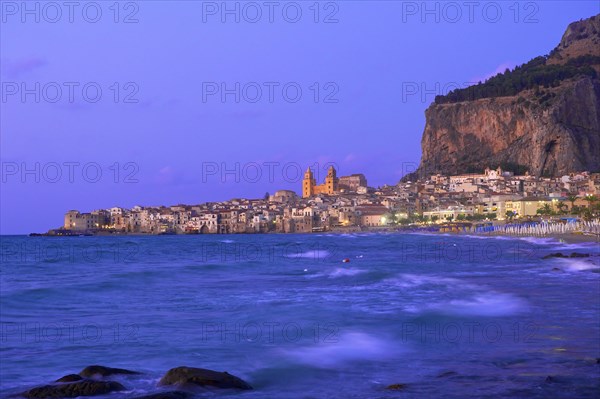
(203, 377)
(70, 378)
(396, 387)
(560, 255)
(103, 371)
(166, 395)
(74, 389)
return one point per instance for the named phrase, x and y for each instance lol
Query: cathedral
(310, 188)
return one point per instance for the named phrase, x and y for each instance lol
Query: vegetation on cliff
(535, 74)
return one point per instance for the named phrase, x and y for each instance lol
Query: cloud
(499, 69)
(17, 68)
(350, 158)
(166, 175)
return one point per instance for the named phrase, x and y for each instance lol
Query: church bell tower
(308, 184)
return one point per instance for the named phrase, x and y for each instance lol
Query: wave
(339, 350)
(577, 265)
(484, 237)
(558, 244)
(316, 254)
(483, 304)
(336, 272)
(417, 280)
(342, 271)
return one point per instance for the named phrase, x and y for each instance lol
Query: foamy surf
(558, 244)
(342, 349)
(417, 280)
(336, 273)
(485, 304)
(316, 254)
(577, 265)
(341, 272)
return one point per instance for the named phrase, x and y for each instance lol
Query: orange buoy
(346, 260)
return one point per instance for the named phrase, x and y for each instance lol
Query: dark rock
(70, 378)
(202, 377)
(73, 389)
(556, 269)
(166, 395)
(396, 387)
(103, 371)
(579, 255)
(555, 255)
(560, 255)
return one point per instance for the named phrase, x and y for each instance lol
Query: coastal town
(348, 204)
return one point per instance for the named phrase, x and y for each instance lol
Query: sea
(307, 316)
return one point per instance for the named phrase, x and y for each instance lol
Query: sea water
(448, 316)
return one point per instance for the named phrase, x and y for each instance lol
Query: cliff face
(547, 130)
(554, 140)
(580, 38)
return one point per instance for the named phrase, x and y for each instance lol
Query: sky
(150, 103)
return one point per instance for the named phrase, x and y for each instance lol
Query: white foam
(416, 280)
(483, 304)
(577, 265)
(317, 254)
(344, 271)
(227, 241)
(349, 347)
(540, 240)
(337, 273)
(487, 237)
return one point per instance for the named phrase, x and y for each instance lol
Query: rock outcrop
(580, 38)
(70, 378)
(167, 395)
(103, 371)
(90, 382)
(542, 117)
(73, 389)
(202, 377)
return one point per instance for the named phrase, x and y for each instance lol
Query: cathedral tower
(308, 184)
(331, 181)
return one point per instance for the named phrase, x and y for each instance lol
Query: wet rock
(579, 255)
(166, 395)
(555, 255)
(396, 387)
(561, 255)
(202, 377)
(70, 378)
(73, 389)
(103, 371)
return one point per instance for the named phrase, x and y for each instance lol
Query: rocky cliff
(543, 117)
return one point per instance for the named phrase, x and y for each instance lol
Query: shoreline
(569, 238)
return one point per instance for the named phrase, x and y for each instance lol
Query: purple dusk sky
(106, 105)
